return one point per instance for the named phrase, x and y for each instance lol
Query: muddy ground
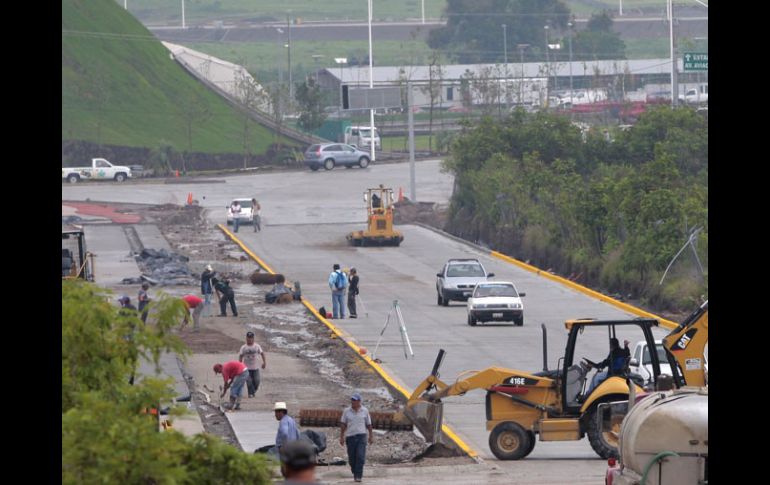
(306, 366)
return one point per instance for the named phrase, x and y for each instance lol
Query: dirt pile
(408, 212)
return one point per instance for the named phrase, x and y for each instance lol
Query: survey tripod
(395, 313)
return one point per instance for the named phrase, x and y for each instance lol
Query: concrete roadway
(306, 218)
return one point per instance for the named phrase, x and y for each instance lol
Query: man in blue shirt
(287, 428)
(337, 283)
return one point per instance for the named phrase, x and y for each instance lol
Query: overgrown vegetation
(120, 87)
(107, 437)
(605, 213)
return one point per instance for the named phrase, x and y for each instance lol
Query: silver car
(458, 278)
(330, 155)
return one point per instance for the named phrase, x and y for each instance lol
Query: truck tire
(73, 178)
(363, 162)
(120, 177)
(601, 443)
(509, 441)
(328, 164)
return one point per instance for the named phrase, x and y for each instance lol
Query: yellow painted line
(339, 334)
(245, 249)
(582, 289)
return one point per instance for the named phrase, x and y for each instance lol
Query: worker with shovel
(235, 375)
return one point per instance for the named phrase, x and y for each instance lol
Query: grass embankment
(120, 87)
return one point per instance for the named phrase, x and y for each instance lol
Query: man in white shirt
(248, 355)
(354, 424)
(235, 208)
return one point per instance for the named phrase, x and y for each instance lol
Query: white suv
(497, 301)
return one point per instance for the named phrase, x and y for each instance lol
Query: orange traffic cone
(400, 194)
(189, 198)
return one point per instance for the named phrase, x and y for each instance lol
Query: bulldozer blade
(427, 417)
(331, 418)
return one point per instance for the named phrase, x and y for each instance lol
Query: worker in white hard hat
(287, 428)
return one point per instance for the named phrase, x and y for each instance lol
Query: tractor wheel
(605, 444)
(532, 441)
(509, 441)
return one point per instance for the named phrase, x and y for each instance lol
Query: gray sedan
(330, 155)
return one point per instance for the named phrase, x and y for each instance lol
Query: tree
(252, 97)
(194, 111)
(473, 31)
(434, 90)
(598, 41)
(311, 107)
(106, 436)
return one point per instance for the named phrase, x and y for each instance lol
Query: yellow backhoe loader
(555, 405)
(379, 223)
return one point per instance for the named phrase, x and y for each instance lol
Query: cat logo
(684, 341)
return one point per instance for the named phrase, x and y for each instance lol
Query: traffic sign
(696, 61)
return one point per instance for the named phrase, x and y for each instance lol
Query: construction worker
(235, 209)
(144, 300)
(248, 355)
(287, 428)
(206, 287)
(256, 213)
(298, 462)
(615, 362)
(354, 424)
(337, 283)
(194, 304)
(235, 375)
(352, 293)
(226, 294)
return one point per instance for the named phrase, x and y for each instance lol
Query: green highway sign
(696, 61)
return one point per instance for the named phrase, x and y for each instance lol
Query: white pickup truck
(100, 169)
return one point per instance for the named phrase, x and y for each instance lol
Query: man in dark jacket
(206, 287)
(352, 293)
(226, 294)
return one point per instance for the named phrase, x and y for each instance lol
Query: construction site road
(307, 216)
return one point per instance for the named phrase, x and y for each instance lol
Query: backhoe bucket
(426, 417)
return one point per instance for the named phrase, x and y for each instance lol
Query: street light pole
(184, 26)
(674, 84)
(371, 82)
(571, 92)
(291, 85)
(505, 59)
(547, 69)
(423, 11)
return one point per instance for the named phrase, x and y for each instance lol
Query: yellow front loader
(379, 222)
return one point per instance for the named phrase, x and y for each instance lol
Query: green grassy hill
(120, 87)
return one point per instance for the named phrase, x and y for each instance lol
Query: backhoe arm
(686, 345)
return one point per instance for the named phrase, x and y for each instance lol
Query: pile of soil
(408, 212)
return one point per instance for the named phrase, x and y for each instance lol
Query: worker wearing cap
(192, 302)
(235, 375)
(207, 289)
(354, 423)
(125, 302)
(287, 428)
(248, 355)
(298, 462)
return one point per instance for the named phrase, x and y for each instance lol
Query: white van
(361, 137)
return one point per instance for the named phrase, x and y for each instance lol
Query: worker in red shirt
(235, 375)
(195, 304)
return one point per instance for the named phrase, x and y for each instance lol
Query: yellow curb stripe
(245, 249)
(582, 289)
(445, 428)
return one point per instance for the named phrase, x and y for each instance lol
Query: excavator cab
(379, 221)
(77, 261)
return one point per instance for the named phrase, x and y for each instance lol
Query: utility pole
(423, 11)
(620, 8)
(184, 26)
(291, 85)
(674, 83)
(125, 4)
(505, 59)
(571, 92)
(410, 118)
(371, 82)
(547, 69)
